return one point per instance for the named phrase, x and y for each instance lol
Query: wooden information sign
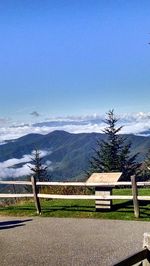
(104, 190)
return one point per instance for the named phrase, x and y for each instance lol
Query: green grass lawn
(122, 209)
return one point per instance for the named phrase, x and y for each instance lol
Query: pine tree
(113, 154)
(38, 170)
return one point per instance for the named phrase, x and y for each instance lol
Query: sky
(78, 59)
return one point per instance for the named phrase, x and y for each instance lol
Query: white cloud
(7, 133)
(4, 121)
(7, 167)
(14, 172)
(14, 161)
(134, 123)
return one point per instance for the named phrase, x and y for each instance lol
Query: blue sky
(62, 58)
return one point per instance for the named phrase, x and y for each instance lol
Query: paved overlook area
(65, 242)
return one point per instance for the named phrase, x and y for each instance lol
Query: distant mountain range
(66, 154)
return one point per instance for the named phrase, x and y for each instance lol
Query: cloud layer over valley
(20, 167)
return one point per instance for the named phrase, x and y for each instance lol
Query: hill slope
(67, 153)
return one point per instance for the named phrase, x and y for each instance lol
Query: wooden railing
(142, 257)
(37, 195)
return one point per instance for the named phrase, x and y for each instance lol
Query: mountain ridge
(67, 153)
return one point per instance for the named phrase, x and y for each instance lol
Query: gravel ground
(64, 241)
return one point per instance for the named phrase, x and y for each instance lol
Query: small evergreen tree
(113, 154)
(38, 170)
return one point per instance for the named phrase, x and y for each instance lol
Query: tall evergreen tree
(113, 154)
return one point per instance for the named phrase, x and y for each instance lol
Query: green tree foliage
(146, 166)
(147, 159)
(113, 154)
(38, 169)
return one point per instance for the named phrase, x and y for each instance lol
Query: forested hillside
(67, 153)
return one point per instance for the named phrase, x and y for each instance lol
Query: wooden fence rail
(75, 184)
(88, 197)
(14, 195)
(15, 182)
(36, 195)
(86, 184)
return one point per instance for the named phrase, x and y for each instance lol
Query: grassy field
(122, 210)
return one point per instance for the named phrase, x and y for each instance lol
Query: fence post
(135, 197)
(35, 192)
(146, 244)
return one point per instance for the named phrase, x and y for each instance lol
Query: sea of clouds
(136, 123)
